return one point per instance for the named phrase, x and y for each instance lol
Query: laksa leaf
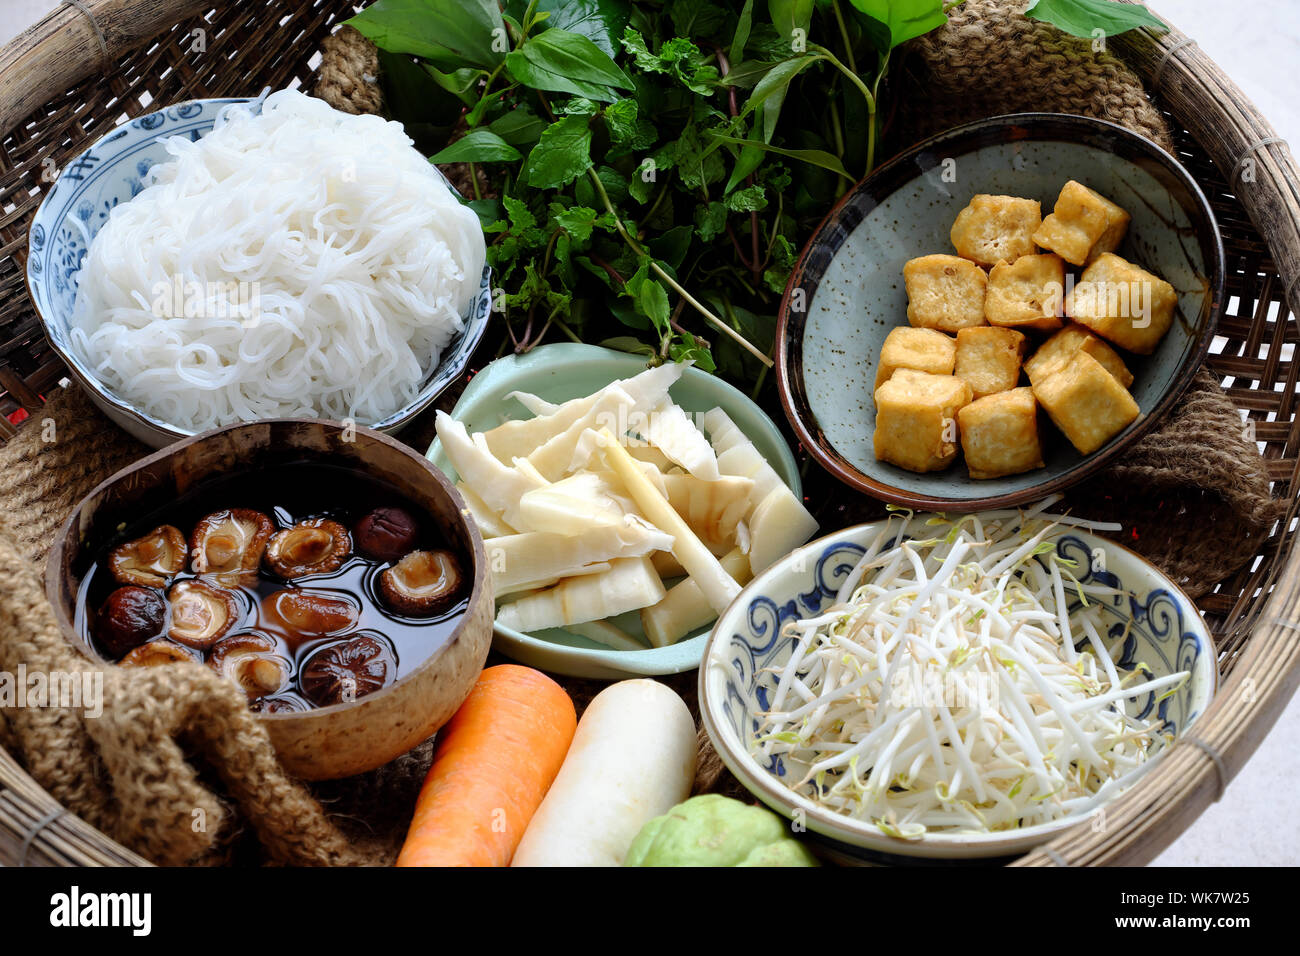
(1092, 18)
(561, 155)
(449, 33)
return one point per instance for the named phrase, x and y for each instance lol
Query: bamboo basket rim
(52, 55)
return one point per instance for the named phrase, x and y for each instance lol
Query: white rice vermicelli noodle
(300, 262)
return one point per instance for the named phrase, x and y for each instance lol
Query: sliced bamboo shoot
(718, 587)
(684, 608)
(602, 632)
(671, 430)
(666, 565)
(571, 504)
(520, 560)
(499, 485)
(489, 521)
(778, 525)
(713, 509)
(535, 404)
(629, 584)
(554, 459)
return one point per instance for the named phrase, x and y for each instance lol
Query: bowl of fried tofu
(998, 312)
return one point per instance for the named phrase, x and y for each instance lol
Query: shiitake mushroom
(149, 560)
(201, 614)
(386, 533)
(228, 545)
(300, 613)
(318, 546)
(160, 652)
(250, 660)
(422, 584)
(276, 705)
(130, 616)
(347, 670)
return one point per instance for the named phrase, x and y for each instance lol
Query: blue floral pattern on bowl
(1158, 626)
(114, 170)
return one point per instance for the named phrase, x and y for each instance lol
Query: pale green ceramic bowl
(565, 371)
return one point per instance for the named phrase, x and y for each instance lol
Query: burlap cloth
(180, 771)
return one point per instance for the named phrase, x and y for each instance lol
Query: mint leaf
(904, 19)
(450, 33)
(627, 130)
(1082, 18)
(710, 221)
(478, 146)
(561, 155)
(677, 57)
(577, 221)
(752, 199)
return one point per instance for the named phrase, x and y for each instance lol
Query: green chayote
(713, 830)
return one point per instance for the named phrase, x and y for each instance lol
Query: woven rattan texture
(247, 48)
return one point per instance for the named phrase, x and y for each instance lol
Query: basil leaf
(478, 146)
(1082, 18)
(650, 297)
(565, 62)
(600, 21)
(449, 33)
(519, 127)
(904, 19)
(561, 155)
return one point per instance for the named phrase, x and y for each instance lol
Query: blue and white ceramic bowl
(113, 171)
(1166, 634)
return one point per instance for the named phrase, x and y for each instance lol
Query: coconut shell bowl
(359, 672)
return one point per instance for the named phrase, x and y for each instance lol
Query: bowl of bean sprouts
(955, 687)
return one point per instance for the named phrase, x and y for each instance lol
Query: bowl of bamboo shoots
(623, 508)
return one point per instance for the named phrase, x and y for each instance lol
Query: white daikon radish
(778, 525)
(554, 458)
(629, 584)
(711, 508)
(602, 632)
(518, 560)
(521, 438)
(671, 430)
(684, 608)
(698, 560)
(571, 504)
(499, 485)
(632, 759)
(489, 521)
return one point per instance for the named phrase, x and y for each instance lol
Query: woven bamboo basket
(89, 65)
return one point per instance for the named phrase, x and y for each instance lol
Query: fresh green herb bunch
(654, 165)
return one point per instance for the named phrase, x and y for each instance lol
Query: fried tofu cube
(988, 359)
(999, 434)
(1027, 293)
(925, 350)
(1086, 402)
(1062, 346)
(1123, 303)
(996, 227)
(1083, 225)
(944, 293)
(916, 419)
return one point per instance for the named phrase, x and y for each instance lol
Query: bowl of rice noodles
(228, 260)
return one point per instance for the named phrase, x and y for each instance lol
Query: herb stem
(566, 330)
(844, 35)
(671, 282)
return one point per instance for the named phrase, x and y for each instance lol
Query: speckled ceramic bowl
(112, 171)
(565, 371)
(847, 293)
(1156, 623)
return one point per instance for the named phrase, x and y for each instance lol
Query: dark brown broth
(288, 494)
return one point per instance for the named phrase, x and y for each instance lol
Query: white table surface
(1258, 45)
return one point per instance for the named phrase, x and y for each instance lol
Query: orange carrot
(494, 762)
